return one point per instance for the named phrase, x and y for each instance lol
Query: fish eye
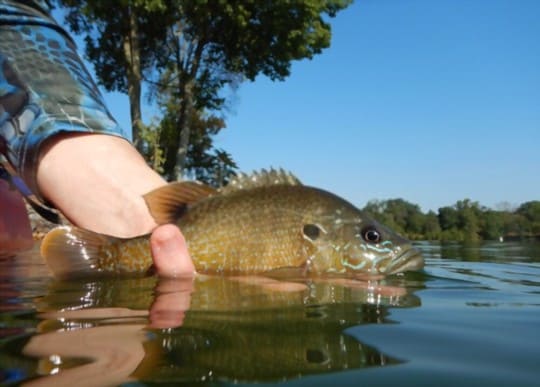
(371, 234)
(311, 231)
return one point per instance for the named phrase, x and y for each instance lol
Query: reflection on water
(213, 328)
(210, 329)
(449, 324)
(488, 251)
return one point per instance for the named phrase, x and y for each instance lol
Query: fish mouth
(410, 259)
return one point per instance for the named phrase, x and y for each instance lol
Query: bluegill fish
(257, 224)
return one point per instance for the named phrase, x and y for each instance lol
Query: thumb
(169, 252)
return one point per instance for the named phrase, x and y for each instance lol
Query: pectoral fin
(169, 203)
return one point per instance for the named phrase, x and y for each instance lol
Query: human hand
(169, 252)
(97, 182)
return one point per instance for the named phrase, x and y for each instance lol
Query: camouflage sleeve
(44, 87)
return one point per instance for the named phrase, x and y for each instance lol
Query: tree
(191, 49)
(493, 224)
(465, 221)
(377, 210)
(121, 43)
(530, 211)
(213, 44)
(431, 228)
(469, 219)
(398, 214)
(448, 218)
(204, 162)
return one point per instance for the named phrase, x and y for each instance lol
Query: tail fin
(74, 252)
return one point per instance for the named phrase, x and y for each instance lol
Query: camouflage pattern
(45, 88)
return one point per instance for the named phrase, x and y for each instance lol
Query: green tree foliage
(149, 146)
(204, 162)
(465, 221)
(122, 42)
(191, 49)
(448, 218)
(398, 214)
(493, 226)
(431, 229)
(469, 214)
(215, 43)
(530, 211)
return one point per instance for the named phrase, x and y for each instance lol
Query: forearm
(45, 89)
(48, 106)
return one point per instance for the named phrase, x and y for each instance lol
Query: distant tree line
(465, 221)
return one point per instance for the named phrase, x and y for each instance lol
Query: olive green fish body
(256, 230)
(265, 222)
(126, 256)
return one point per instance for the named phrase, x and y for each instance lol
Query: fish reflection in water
(243, 329)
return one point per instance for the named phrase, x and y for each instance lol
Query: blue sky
(429, 101)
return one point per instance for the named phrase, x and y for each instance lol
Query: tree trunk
(184, 129)
(134, 76)
(177, 150)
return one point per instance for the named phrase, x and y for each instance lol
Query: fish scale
(266, 222)
(259, 229)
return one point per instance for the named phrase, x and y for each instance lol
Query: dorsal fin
(168, 203)
(261, 178)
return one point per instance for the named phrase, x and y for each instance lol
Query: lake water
(471, 318)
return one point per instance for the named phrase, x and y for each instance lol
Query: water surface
(470, 318)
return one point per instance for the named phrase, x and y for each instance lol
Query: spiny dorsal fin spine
(262, 178)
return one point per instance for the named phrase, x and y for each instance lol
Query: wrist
(97, 181)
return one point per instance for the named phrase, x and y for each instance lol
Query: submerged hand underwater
(259, 223)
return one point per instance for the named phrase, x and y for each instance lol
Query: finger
(173, 298)
(169, 252)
